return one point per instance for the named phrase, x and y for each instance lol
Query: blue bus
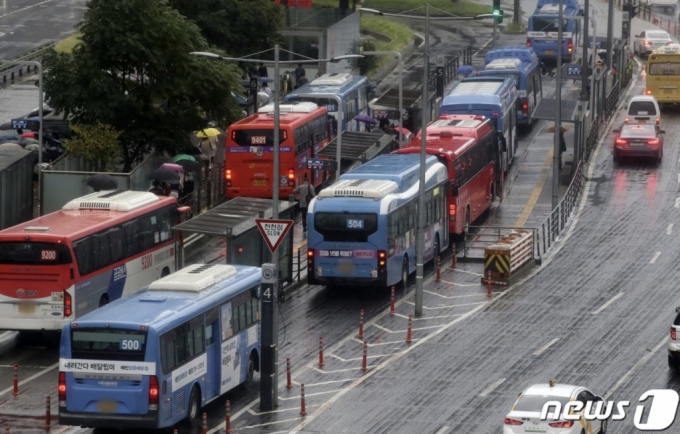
(495, 98)
(522, 65)
(543, 28)
(155, 358)
(362, 229)
(322, 91)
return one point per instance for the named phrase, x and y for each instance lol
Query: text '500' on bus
(97, 248)
(303, 131)
(362, 229)
(155, 358)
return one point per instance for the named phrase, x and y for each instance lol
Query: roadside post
(440, 76)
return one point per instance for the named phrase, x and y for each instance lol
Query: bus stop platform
(359, 147)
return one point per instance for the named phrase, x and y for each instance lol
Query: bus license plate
(549, 52)
(27, 308)
(259, 182)
(667, 91)
(107, 406)
(346, 267)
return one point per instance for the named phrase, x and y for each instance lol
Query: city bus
(522, 65)
(663, 74)
(494, 98)
(303, 131)
(97, 248)
(153, 359)
(542, 31)
(325, 91)
(467, 146)
(362, 229)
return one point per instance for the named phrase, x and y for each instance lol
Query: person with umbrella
(299, 73)
(156, 189)
(102, 181)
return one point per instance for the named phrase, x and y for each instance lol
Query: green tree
(132, 70)
(97, 143)
(239, 27)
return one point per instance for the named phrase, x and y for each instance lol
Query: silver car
(650, 40)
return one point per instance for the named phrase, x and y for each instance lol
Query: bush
(367, 63)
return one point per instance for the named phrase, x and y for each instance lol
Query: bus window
(225, 321)
(84, 255)
(24, 253)
(108, 344)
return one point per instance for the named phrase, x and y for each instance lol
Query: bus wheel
(194, 413)
(404, 273)
(104, 300)
(165, 272)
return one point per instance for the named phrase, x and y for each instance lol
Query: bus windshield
(547, 24)
(664, 68)
(352, 227)
(27, 253)
(108, 344)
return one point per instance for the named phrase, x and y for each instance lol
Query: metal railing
(464, 57)
(208, 191)
(300, 263)
(34, 54)
(480, 237)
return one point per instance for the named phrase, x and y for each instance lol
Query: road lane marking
(443, 430)
(323, 383)
(312, 394)
(385, 329)
(468, 272)
(448, 306)
(678, 177)
(461, 284)
(428, 317)
(670, 229)
(193, 241)
(637, 366)
(492, 387)
(545, 347)
(455, 296)
(677, 202)
(254, 413)
(655, 257)
(383, 343)
(336, 371)
(604, 306)
(31, 378)
(536, 194)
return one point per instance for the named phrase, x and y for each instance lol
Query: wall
(343, 38)
(16, 187)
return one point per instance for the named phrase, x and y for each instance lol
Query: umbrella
(102, 181)
(180, 157)
(33, 147)
(240, 100)
(404, 131)
(189, 165)
(172, 166)
(366, 119)
(8, 146)
(29, 135)
(208, 132)
(164, 175)
(465, 70)
(552, 129)
(24, 142)
(266, 80)
(35, 112)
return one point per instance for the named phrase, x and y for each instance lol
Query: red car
(639, 141)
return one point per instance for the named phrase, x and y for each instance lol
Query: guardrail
(464, 57)
(34, 54)
(300, 263)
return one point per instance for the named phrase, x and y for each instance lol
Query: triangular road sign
(273, 231)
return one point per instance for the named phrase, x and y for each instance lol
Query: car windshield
(634, 131)
(642, 108)
(534, 403)
(658, 35)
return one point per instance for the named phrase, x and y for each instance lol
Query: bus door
(212, 348)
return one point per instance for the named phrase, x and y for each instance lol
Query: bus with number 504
(155, 358)
(94, 250)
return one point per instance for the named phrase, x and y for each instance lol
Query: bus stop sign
(273, 231)
(322, 164)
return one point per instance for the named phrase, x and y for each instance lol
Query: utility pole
(558, 113)
(584, 71)
(610, 34)
(516, 12)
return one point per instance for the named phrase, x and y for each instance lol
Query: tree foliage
(132, 70)
(97, 143)
(239, 27)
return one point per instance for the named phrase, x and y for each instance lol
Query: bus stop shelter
(359, 147)
(235, 221)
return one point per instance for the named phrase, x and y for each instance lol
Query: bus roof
(521, 52)
(336, 83)
(673, 50)
(479, 90)
(289, 114)
(401, 169)
(552, 10)
(451, 146)
(569, 3)
(89, 214)
(183, 294)
(474, 126)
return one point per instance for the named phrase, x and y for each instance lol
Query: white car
(643, 110)
(650, 40)
(674, 343)
(667, 5)
(524, 417)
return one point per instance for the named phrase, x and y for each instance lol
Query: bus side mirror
(184, 209)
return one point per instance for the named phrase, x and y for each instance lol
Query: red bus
(97, 248)
(467, 146)
(303, 131)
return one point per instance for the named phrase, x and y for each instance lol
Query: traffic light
(497, 11)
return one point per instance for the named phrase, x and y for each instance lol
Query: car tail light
(62, 389)
(565, 424)
(621, 141)
(528, 42)
(648, 43)
(68, 304)
(570, 45)
(382, 261)
(452, 212)
(673, 333)
(658, 120)
(227, 176)
(625, 121)
(291, 177)
(653, 141)
(509, 421)
(153, 393)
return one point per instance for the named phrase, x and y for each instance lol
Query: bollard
(453, 255)
(303, 412)
(15, 392)
(488, 283)
(227, 426)
(204, 424)
(408, 332)
(439, 274)
(289, 384)
(361, 324)
(48, 416)
(392, 312)
(6, 430)
(363, 364)
(320, 351)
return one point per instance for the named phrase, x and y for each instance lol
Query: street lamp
(40, 115)
(270, 339)
(401, 67)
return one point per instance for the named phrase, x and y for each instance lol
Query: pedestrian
(266, 90)
(156, 189)
(302, 81)
(305, 193)
(408, 122)
(208, 150)
(188, 183)
(299, 73)
(262, 71)
(563, 146)
(384, 123)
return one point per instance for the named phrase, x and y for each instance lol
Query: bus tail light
(310, 261)
(525, 106)
(291, 177)
(528, 42)
(153, 393)
(62, 389)
(570, 45)
(626, 120)
(68, 304)
(382, 263)
(227, 176)
(672, 333)
(452, 212)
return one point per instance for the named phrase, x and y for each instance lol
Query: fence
(464, 57)
(208, 191)
(34, 54)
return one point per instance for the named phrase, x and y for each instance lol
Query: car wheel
(671, 364)
(404, 273)
(194, 412)
(603, 429)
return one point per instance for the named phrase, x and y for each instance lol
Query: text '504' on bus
(94, 250)
(496, 99)
(362, 229)
(543, 28)
(663, 74)
(303, 131)
(156, 357)
(467, 146)
(522, 65)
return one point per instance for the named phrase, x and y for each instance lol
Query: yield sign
(273, 231)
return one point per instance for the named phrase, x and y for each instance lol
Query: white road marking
(461, 284)
(261, 424)
(637, 366)
(323, 383)
(492, 387)
(677, 202)
(447, 306)
(254, 413)
(604, 306)
(385, 343)
(454, 296)
(361, 358)
(337, 370)
(468, 272)
(670, 229)
(545, 347)
(443, 430)
(404, 331)
(428, 317)
(678, 177)
(311, 394)
(655, 257)
(31, 378)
